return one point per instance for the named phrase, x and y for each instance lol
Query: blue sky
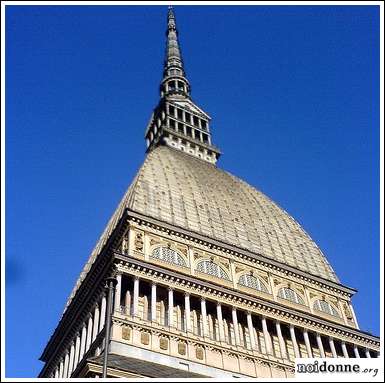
(294, 96)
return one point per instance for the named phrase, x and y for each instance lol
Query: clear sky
(294, 96)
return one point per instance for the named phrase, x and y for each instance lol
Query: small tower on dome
(177, 121)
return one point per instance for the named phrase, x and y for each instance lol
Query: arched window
(290, 295)
(325, 307)
(211, 268)
(168, 255)
(252, 282)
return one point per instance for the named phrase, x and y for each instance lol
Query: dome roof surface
(182, 190)
(185, 191)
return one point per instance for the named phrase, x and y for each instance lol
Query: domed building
(213, 279)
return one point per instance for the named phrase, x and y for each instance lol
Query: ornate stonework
(182, 348)
(126, 333)
(163, 343)
(199, 352)
(145, 338)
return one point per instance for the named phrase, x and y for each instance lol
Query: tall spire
(174, 78)
(177, 121)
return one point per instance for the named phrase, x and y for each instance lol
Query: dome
(182, 190)
(195, 195)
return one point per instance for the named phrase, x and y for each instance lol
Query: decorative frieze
(220, 256)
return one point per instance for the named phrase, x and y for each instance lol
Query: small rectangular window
(189, 131)
(203, 124)
(172, 124)
(195, 121)
(180, 114)
(180, 128)
(205, 137)
(171, 110)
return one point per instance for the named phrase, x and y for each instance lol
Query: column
(344, 350)
(204, 317)
(83, 341)
(294, 341)
(66, 360)
(251, 331)
(333, 348)
(266, 336)
(220, 323)
(170, 307)
(89, 332)
(187, 312)
(56, 372)
(118, 291)
(367, 353)
(95, 330)
(320, 345)
(153, 302)
(71, 361)
(307, 343)
(127, 303)
(135, 304)
(61, 368)
(77, 350)
(282, 345)
(356, 353)
(102, 312)
(235, 325)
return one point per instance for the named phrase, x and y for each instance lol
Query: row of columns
(82, 341)
(205, 332)
(195, 133)
(201, 124)
(90, 329)
(189, 121)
